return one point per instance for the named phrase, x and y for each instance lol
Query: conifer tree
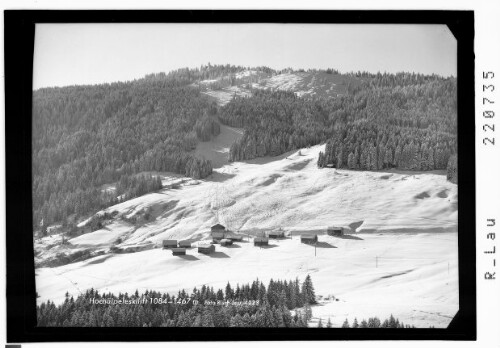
(392, 322)
(329, 323)
(308, 291)
(229, 292)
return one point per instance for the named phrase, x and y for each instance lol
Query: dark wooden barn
(335, 231)
(178, 251)
(218, 236)
(185, 243)
(259, 241)
(276, 234)
(217, 228)
(169, 243)
(226, 242)
(309, 238)
(206, 248)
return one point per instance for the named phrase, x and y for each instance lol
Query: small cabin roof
(218, 226)
(261, 239)
(179, 249)
(225, 240)
(308, 236)
(334, 228)
(169, 241)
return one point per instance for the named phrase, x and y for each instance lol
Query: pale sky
(69, 54)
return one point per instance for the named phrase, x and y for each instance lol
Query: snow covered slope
(302, 83)
(401, 256)
(289, 191)
(217, 149)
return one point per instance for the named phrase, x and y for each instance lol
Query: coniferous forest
(375, 323)
(399, 121)
(280, 304)
(85, 137)
(249, 305)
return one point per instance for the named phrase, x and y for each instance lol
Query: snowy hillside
(310, 83)
(400, 257)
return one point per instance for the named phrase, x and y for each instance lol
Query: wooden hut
(218, 236)
(169, 243)
(309, 239)
(235, 237)
(206, 248)
(335, 231)
(178, 251)
(185, 243)
(276, 234)
(226, 242)
(217, 228)
(259, 241)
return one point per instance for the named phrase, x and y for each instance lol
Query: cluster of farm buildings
(226, 238)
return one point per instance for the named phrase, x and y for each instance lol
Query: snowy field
(412, 276)
(400, 256)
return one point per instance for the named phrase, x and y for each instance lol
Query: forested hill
(84, 137)
(396, 123)
(402, 121)
(88, 136)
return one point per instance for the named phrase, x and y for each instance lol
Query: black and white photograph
(245, 175)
